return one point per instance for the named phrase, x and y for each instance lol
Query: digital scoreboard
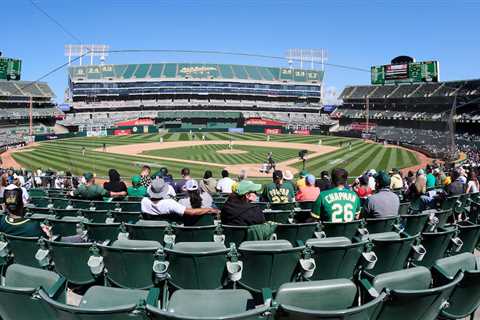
(10, 69)
(408, 72)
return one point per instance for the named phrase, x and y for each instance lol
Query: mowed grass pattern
(209, 153)
(66, 155)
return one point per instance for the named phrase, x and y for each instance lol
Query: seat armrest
(57, 288)
(153, 295)
(267, 297)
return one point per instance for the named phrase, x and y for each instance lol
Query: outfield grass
(66, 154)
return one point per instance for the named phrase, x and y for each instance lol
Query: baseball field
(213, 151)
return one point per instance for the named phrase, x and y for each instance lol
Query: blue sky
(355, 33)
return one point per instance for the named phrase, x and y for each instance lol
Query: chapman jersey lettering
(336, 205)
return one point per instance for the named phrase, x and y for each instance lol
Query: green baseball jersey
(282, 193)
(336, 205)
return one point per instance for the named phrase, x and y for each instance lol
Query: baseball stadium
(160, 187)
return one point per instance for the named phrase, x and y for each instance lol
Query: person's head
(363, 180)
(191, 186)
(339, 177)
(158, 189)
(371, 172)
(302, 174)
(472, 175)
(17, 182)
(13, 200)
(382, 180)
(247, 190)
(136, 181)
(455, 174)
(324, 175)
(277, 176)
(242, 175)
(310, 180)
(208, 174)
(185, 172)
(224, 173)
(113, 175)
(89, 178)
(146, 170)
(288, 175)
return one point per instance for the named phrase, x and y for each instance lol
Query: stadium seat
(379, 225)
(126, 217)
(437, 243)
(62, 203)
(103, 303)
(404, 208)
(197, 221)
(410, 295)
(39, 202)
(413, 224)
(197, 265)
(96, 216)
(23, 250)
(268, 264)
(295, 232)
(343, 229)
(37, 193)
(465, 298)
(130, 206)
(469, 234)
(60, 213)
(222, 304)
(82, 204)
(129, 263)
(106, 206)
(328, 299)
(337, 257)
(306, 205)
(289, 206)
(71, 261)
(66, 226)
(278, 216)
(18, 295)
(235, 234)
(99, 232)
(443, 216)
(193, 234)
(147, 230)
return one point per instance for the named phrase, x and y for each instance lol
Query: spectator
(242, 175)
(137, 189)
(116, 187)
(208, 183)
(384, 203)
(15, 222)
(301, 180)
(361, 188)
(240, 208)
(278, 191)
(430, 178)
(145, 176)
(310, 192)
(25, 195)
(287, 179)
(159, 203)
(324, 182)
(472, 185)
(89, 190)
(456, 187)
(195, 197)
(371, 180)
(224, 185)
(396, 180)
(3, 184)
(337, 204)
(179, 185)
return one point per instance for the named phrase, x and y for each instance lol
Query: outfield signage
(408, 72)
(302, 132)
(10, 69)
(272, 131)
(122, 132)
(263, 122)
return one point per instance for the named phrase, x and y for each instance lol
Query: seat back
(443, 216)
(436, 244)
(306, 204)
(17, 296)
(392, 253)
(413, 224)
(296, 231)
(131, 206)
(268, 264)
(60, 213)
(235, 234)
(70, 261)
(194, 234)
(342, 229)
(61, 203)
(197, 265)
(335, 257)
(196, 221)
(278, 216)
(288, 206)
(98, 232)
(470, 235)
(23, 249)
(126, 216)
(129, 263)
(95, 216)
(378, 225)
(147, 230)
(404, 208)
(81, 204)
(106, 206)
(67, 226)
(40, 202)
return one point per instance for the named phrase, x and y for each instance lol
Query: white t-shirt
(473, 186)
(371, 183)
(224, 185)
(165, 206)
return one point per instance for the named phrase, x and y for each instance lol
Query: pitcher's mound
(231, 151)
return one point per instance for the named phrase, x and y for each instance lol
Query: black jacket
(237, 212)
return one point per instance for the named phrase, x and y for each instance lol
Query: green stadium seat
(71, 262)
(437, 243)
(235, 234)
(66, 226)
(337, 257)
(295, 232)
(268, 264)
(343, 229)
(18, 295)
(99, 232)
(130, 206)
(147, 230)
(61, 203)
(197, 221)
(384, 224)
(129, 263)
(97, 216)
(170, 70)
(106, 206)
(23, 250)
(443, 217)
(126, 217)
(37, 193)
(40, 211)
(156, 70)
(282, 206)
(404, 208)
(413, 224)
(104, 303)
(465, 298)
(328, 299)
(82, 204)
(222, 304)
(306, 204)
(197, 265)
(469, 234)
(410, 295)
(193, 234)
(39, 202)
(278, 216)
(60, 213)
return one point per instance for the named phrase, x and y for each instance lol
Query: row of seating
(451, 290)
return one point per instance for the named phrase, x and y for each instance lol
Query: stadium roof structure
(25, 89)
(199, 114)
(191, 71)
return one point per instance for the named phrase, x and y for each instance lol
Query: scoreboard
(10, 69)
(409, 72)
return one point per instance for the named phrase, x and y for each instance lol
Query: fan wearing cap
(396, 180)
(137, 189)
(278, 191)
(195, 197)
(15, 222)
(159, 203)
(310, 192)
(240, 208)
(90, 190)
(301, 181)
(371, 180)
(324, 182)
(384, 203)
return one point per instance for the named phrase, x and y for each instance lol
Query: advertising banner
(272, 131)
(302, 132)
(122, 132)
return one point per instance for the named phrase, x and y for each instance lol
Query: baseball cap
(136, 180)
(420, 172)
(303, 173)
(88, 176)
(191, 185)
(372, 172)
(383, 179)
(310, 179)
(12, 197)
(158, 189)
(288, 175)
(247, 186)
(277, 174)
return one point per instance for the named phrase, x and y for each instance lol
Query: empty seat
(295, 232)
(235, 234)
(194, 234)
(384, 224)
(23, 250)
(278, 216)
(342, 229)
(96, 216)
(66, 226)
(436, 244)
(126, 217)
(413, 224)
(147, 230)
(469, 234)
(99, 232)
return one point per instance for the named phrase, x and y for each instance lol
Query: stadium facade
(105, 94)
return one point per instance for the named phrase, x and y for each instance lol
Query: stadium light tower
(90, 50)
(314, 56)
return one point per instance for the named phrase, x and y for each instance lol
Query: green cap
(303, 173)
(136, 180)
(246, 186)
(383, 179)
(88, 176)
